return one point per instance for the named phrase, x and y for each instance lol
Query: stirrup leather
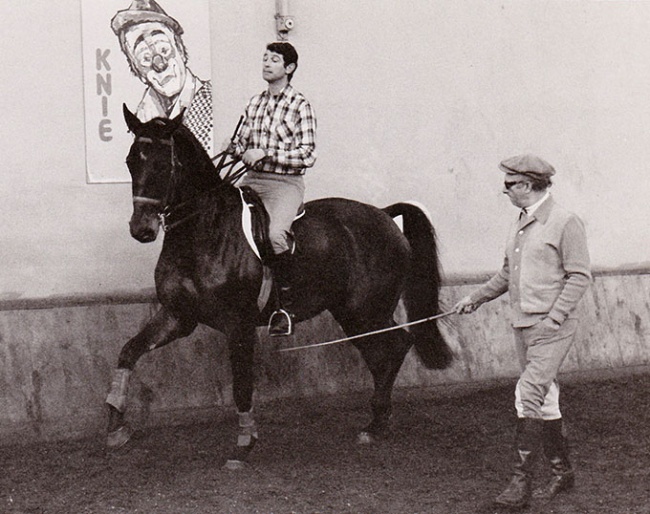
(280, 323)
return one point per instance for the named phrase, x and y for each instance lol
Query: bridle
(167, 212)
(165, 209)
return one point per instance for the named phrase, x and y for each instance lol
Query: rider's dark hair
(288, 53)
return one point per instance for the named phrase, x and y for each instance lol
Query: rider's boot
(281, 321)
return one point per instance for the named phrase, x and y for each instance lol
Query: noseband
(146, 200)
(166, 211)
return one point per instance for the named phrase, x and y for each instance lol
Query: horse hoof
(234, 465)
(365, 438)
(119, 437)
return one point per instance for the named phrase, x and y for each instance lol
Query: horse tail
(423, 284)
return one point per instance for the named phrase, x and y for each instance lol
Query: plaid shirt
(284, 127)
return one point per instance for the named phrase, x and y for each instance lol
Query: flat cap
(141, 11)
(527, 164)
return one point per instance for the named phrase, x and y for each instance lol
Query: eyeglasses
(510, 184)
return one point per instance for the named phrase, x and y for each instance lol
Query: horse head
(151, 163)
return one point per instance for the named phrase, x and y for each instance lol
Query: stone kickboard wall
(57, 358)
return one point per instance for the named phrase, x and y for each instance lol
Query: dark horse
(351, 259)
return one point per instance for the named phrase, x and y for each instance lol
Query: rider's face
(156, 57)
(273, 68)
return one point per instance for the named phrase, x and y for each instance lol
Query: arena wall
(58, 357)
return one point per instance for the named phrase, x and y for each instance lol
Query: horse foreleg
(242, 342)
(162, 329)
(246, 439)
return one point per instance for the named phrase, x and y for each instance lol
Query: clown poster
(137, 53)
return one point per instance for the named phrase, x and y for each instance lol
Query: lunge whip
(366, 334)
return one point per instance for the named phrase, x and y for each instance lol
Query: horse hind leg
(161, 330)
(384, 364)
(384, 355)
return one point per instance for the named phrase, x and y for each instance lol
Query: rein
(172, 211)
(169, 212)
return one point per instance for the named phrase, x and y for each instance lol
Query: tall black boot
(556, 449)
(519, 491)
(281, 321)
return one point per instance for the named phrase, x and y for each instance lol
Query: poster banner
(155, 58)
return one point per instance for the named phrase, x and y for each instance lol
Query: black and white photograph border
(438, 125)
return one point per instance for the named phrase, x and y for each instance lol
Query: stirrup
(280, 324)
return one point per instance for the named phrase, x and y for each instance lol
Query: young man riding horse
(351, 258)
(277, 141)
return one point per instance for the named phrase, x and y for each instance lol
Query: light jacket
(546, 268)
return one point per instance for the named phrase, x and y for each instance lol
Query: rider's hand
(252, 156)
(466, 306)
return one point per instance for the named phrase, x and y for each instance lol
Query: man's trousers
(541, 351)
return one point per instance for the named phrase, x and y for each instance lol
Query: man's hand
(252, 156)
(466, 306)
(551, 323)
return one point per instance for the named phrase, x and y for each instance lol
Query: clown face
(158, 60)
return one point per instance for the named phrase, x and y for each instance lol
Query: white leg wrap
(247, 428)
(119, 388)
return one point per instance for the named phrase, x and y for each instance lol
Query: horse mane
(196, 157)
(213, 193)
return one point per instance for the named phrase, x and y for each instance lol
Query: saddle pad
(267, 279)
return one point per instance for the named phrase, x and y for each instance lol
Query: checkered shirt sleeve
(284, 127)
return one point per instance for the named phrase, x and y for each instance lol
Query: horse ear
(131, 119)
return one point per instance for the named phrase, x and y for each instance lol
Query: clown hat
(142, 11)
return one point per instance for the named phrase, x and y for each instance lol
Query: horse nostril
(146, 236)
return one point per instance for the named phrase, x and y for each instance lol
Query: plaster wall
(415, 100)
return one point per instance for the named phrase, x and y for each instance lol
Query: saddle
(255, 221)
(255, 224)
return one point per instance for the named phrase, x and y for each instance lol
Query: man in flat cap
(152, 43)
(546, 271)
